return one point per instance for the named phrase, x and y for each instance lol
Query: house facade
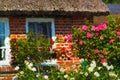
(49, 17)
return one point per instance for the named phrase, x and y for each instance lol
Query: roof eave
(50, 13)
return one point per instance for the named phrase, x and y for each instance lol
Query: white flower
(81, 72)
(26, 62)
(90, 69)
(99, 68)
(37, 75)
(108, 67)
(112, 74)
(17, 68)
(21, 72)
(66, 76)
(118, 79)
(34, 69)
(46, 77)
(111, 67)
(31, 64)
(86, 74)
(93, 64)
(62, 70)
(82, 60)
(96, 74)
(105, 64)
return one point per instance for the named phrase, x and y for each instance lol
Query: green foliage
(31, 49)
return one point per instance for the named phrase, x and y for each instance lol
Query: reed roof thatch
(60, 7)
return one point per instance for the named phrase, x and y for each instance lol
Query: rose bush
(100, 42)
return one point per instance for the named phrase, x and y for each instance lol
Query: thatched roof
(53, 6)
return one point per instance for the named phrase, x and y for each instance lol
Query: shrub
(100, 42)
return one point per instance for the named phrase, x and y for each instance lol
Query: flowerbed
(96, 49)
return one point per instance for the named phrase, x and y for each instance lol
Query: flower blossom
(112, 74)
(34, 69)
(96, 74)
(92, 66)
(118, 33)
(96, 51)
(97, 34)
(85, 28)
(17, 68)
(81, 42)
(66, 76)
(89, 35)
(103, 61)
(101, 37)
(46, 77)
(112, 41)
(110, 67)
(93, 28)
(101, 27)
(69, 37)
(101, 55)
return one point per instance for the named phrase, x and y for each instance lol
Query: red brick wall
(62, 25)
(17, 25)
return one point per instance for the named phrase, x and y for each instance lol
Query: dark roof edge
(50, 13)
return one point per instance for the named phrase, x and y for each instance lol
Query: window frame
(42, 20)
(6, 61)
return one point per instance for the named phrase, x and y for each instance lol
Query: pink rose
(119, 37)
(89, 35)
(102, 26)
(118, 33)
(69, 37)
(101, 55)
(101, 37)
(81, 42)
(93, 28)
(85, 28)
(103, 61)
(112, 41)
(96, 51)
(97, 34)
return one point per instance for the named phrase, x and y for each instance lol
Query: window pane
(2, 33)
(2, 38)
(40, 27)
(2, 28)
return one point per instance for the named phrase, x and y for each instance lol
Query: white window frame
(42, 20)
(6, 47)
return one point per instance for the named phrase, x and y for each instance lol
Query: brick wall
(17, 25)
(64, 25)
(99, 19)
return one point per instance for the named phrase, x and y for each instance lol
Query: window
(4, 33)
(38, 25)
